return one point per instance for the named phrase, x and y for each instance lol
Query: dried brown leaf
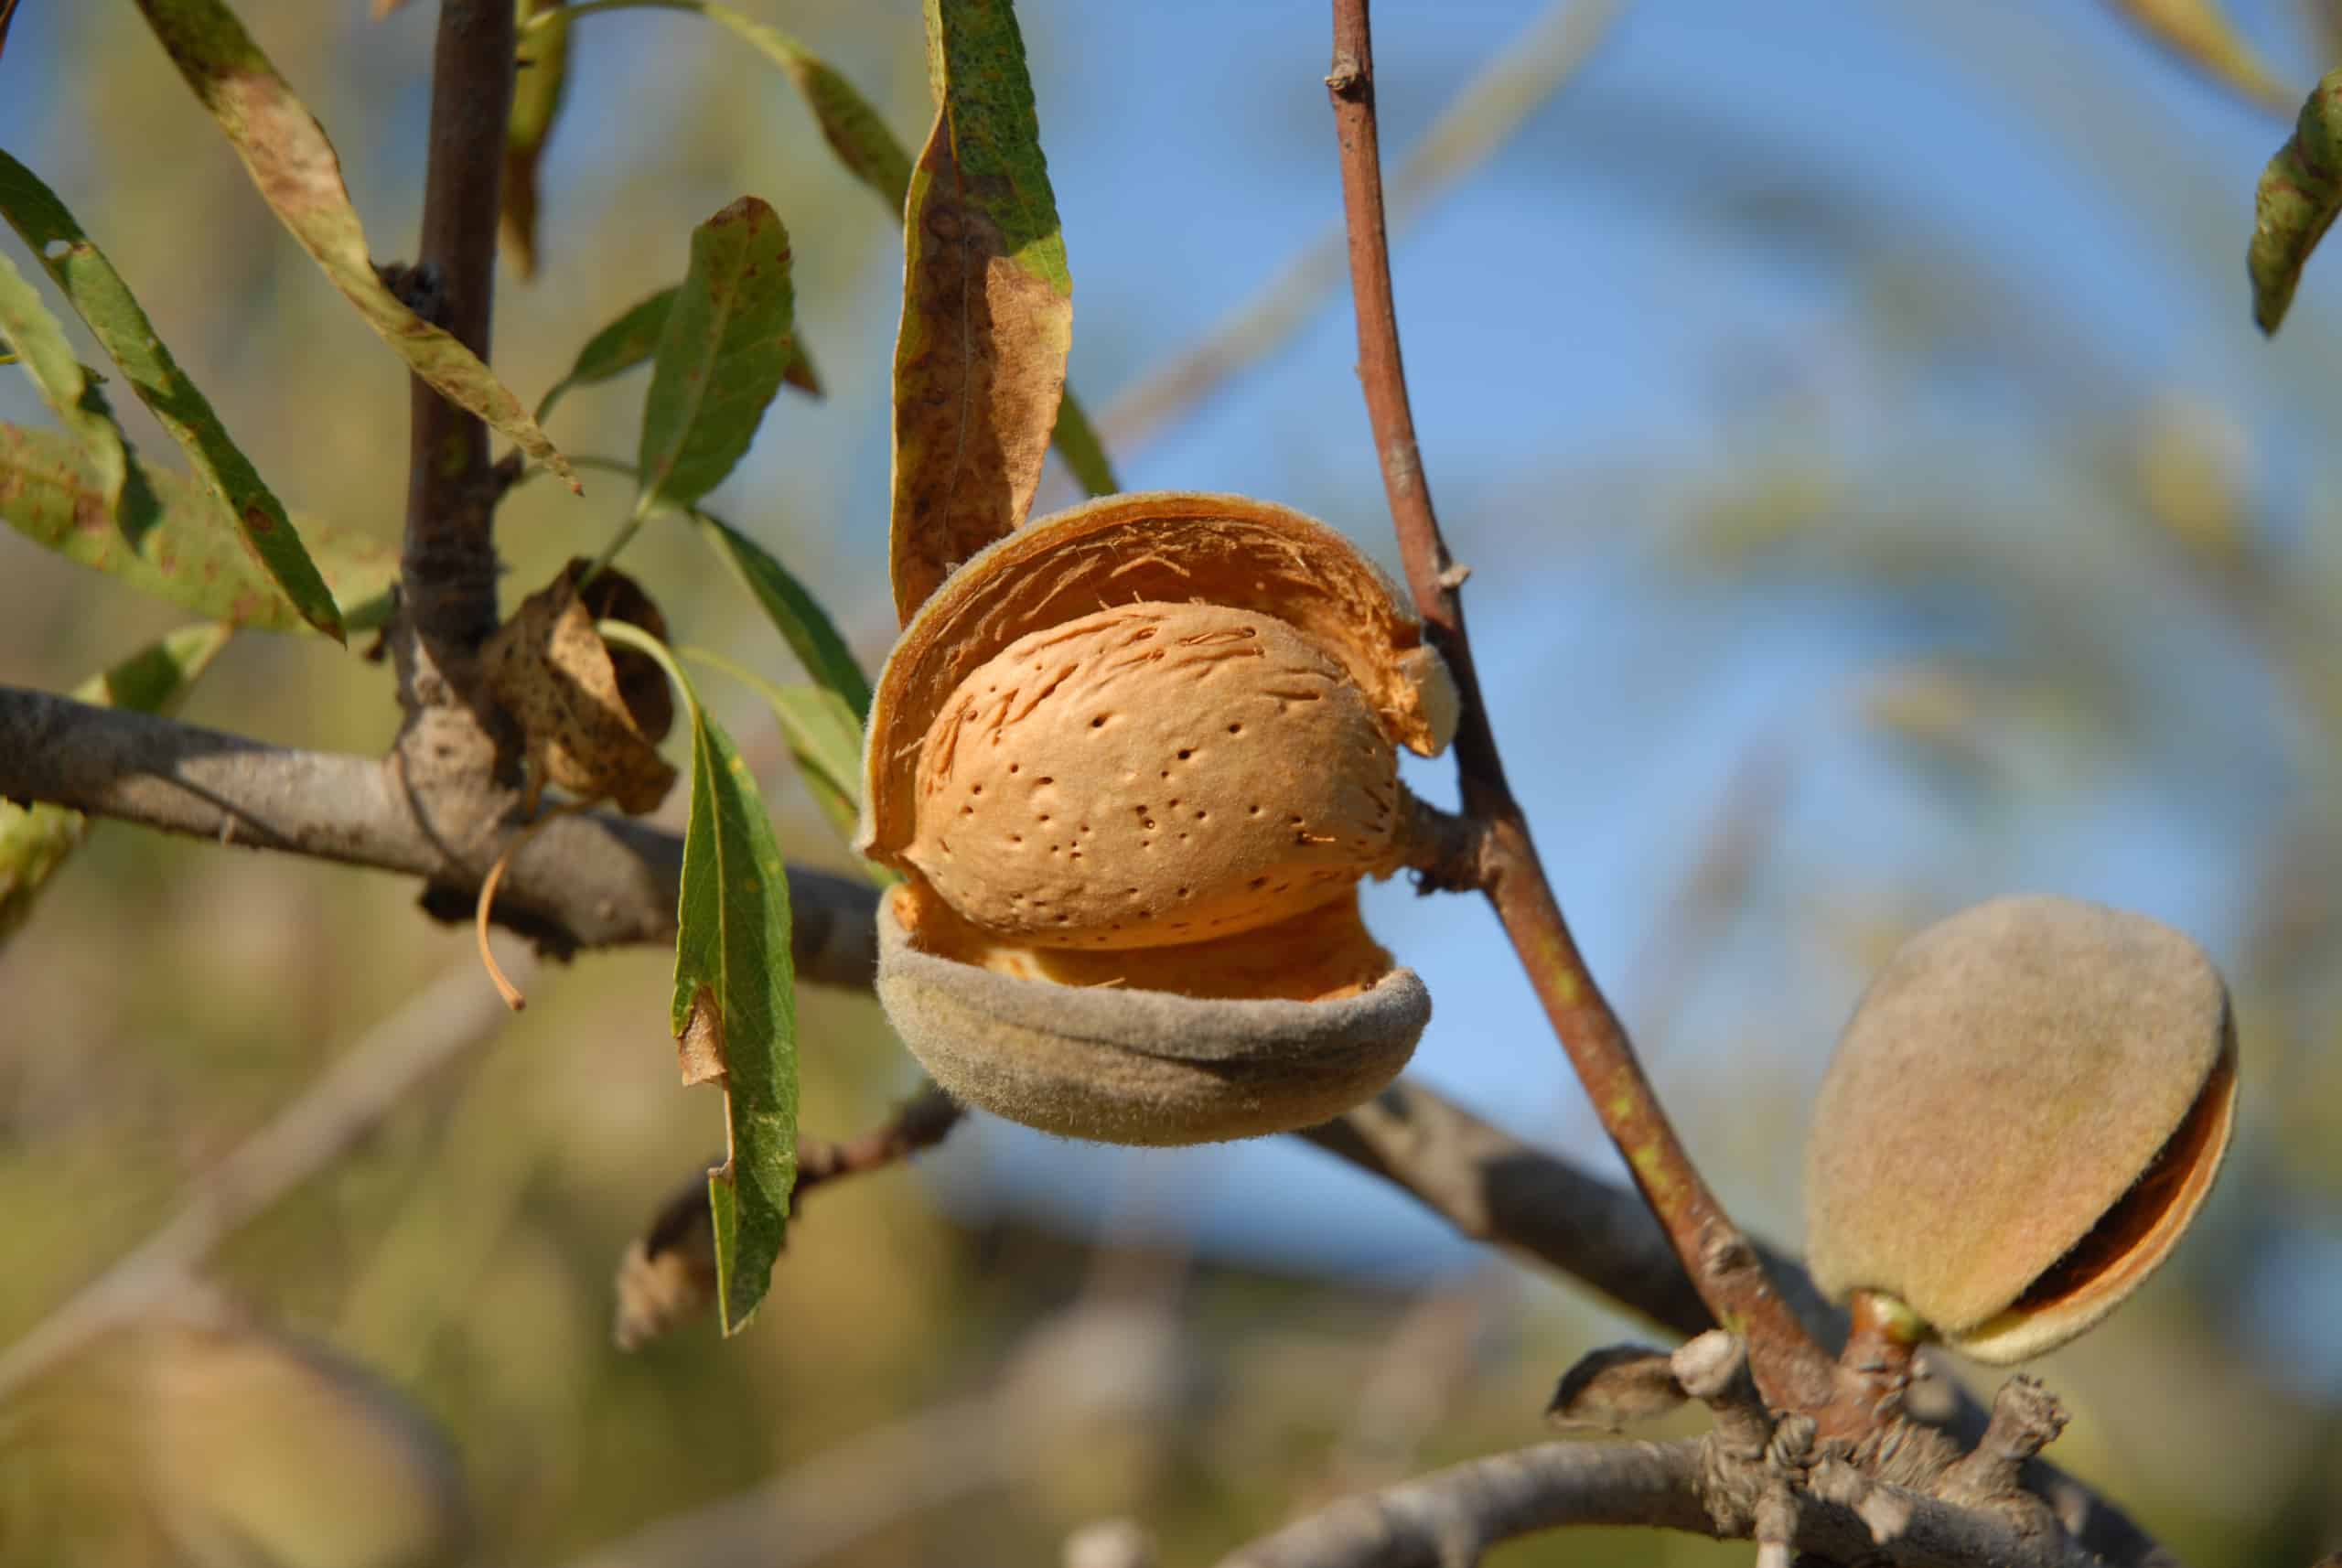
(591, 715)
(1614, 1387)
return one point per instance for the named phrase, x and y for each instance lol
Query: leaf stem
(1723, 1264)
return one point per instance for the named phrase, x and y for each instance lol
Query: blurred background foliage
(1880, 500)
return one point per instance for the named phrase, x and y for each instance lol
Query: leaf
(538, 91)
(734, 1003)
(798, 616)
(71, 392)
(633, 338)
(1085, 456)
(171, 541)
(2200, 32)
(987, 307)
(2300, 192)
(7, 15)
(722, 353)
(36, 839)
(1614, 1387)
(290, 160)
(105, 303)
(824, 738)
(591, 717)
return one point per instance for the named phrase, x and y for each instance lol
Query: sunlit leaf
(75, 264)
(633, 339)
(39, 345)
(735, 1013)
(987, 306)
(823, 734)
(722, 353)
(36, 839)
(299, 176)
(171, 540)
(2300, 192)
(539, 89)
(857, 134)
(796, 614)
(2200, 32)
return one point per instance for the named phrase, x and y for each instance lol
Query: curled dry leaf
(591, 715)
(1614, 1387)
(1132, 762)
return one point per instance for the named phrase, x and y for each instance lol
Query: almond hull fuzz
(1133, 761)
(2026, 1110)
(1125, 1066)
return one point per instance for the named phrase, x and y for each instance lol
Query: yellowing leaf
(538, 91)
(2200, 32)
(299, 176)
(987, 307)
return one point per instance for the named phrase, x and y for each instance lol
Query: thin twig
(1485, 113)
(1724, 1267)
(348, 1101)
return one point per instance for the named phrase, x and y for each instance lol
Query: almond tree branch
(1722, 1266)
(589, 881)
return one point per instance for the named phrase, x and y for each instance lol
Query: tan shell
(2025, 1110)
(1134, 760)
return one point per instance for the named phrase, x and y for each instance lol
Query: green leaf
(633, 338)
(796, 614)
(105, 303)
(290, 160)
(36, 839)
(171, 540)
(824, 738)
(70, 390)
(987, 307)
(870, 152)
(734, 1013)
(2300, 192)
(538, 90)
(722, 354)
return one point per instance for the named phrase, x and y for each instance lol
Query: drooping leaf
(722, 353)
(987, 306)
(824, 738)
(1076, 442)
(40, 346)
(633, 339)
(7, 15)
(735, 1013)
(36, 839)
(538, 91)
(2300, 192)
(796, 614)
(290, 160)
(172, 542)
(75, 264)
(2200, 32)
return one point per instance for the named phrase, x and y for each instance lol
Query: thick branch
(1452, 1516)
(579, 882)
(1720, 1261)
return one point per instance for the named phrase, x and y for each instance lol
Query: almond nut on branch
(1132, 762)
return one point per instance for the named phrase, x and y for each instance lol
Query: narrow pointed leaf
(40, 345)
(1085, 456)
(290, 160)
(2300, 192)
(796, 614)
(824, 738)
(538, 91)
(633, 339)
(75, 264)
(722, 353)
(171, 540)
(987, 307)
(36, 839)
(2200, 32)
(735, 1010)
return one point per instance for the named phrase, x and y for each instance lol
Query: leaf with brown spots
(987, 307)
(2301, 190)
(591, 715)
(168, 538)
(77, 266)
(299, 176)
(36, 839)
(538, 93)
(736, 997)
